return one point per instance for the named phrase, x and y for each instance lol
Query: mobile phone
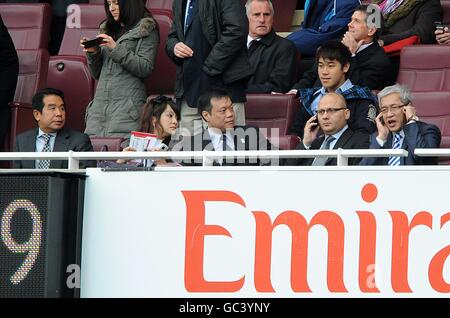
(315, 121)
(382, 121)
(92, 43)
(439, 25)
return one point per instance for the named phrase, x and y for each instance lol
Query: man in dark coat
(207, 44)
(333, 60)
(51, 135)
(331, 118)
(273, 58)
(222, 134)
(398, 127)
(369, 65)
(9, 71)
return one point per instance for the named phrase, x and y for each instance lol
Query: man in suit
(332, 116)
(398, 127)
(369, 64)
(221, 134)
(51, 135)
(333, 63)
(207, 44)
(272, 58)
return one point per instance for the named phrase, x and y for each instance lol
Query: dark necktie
(253, 46)
(189, 15)
(45, 164)
(320, 161)
(395, 161)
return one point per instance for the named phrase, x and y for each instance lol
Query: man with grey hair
(272, 58)
(399, 128)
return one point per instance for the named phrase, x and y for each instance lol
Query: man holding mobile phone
(331, 119)
(398, 127)
(442, 33)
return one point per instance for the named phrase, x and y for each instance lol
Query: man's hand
(182, 51)
(310, 132)
(349, 41)
(443, 36)
(410, 111)
(383, 131)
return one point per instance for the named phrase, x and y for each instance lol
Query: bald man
(331, 120)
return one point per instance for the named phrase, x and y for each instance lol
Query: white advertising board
(327, 232)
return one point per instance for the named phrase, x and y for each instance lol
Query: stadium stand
(28, 24)
(273, 111)
(446, 10)
(425, 69)
(106, 143)
(33, 66)
(162, 79)
(69, 72)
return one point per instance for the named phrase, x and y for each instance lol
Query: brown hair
(154, 107)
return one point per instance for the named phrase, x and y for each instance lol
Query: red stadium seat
(32, 77)
(162, 79)
(106, 143)
(273, 111)
(69, 72)
(425, 69)
(284, 12)
(28, 24)
(159, 4)
(446, 10)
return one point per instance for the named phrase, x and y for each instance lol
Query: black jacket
(225, 26)
(245, 138)
(66, 139)
(369, 68)
(348, 140)
(273, 63)
(404, 22)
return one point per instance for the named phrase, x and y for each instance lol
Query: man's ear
(205, 115)
(36, 114)
(346, 67)
(372, 31)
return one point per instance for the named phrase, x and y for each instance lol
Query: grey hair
(402, 90)
(249, 2)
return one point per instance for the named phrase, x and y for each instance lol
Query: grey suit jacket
(66, 140)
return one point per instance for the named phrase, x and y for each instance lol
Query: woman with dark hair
(160, 117)
(121, 62)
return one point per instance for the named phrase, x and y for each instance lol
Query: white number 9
(31, 247)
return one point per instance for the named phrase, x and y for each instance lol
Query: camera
(92, 43)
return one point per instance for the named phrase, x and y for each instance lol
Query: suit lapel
(61, 145)
(29, 145)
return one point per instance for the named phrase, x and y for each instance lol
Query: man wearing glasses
(332, 116)
(399, 128)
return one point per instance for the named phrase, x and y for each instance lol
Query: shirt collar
(345, 86)
(338, 134)
(401, 132)
(40, 133)
(364, 46)
(250, 39)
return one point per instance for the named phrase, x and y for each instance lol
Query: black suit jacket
(245, 138)
(66, 140)
(348, 140)
(273, 63)
(417, 135)
(369, 68)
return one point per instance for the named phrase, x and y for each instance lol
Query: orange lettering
(436, 268)
(367, 248)
(196, 230)
(400, 246)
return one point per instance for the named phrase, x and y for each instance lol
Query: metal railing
(342, 155)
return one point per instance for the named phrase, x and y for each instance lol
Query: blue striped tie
(395, 161)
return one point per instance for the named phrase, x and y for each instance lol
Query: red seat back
(162, 79)
(273, 112)
(90, 18)
(425, 69)
(28, 24)
(446, 10)
(106, 143)
(159, 4)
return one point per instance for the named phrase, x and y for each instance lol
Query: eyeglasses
(392, 108)
(330, 111)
